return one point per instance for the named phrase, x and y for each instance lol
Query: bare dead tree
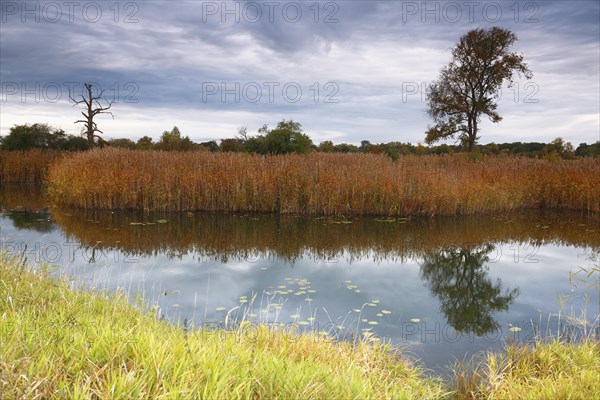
(92, 108)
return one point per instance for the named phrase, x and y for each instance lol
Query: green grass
(57, 342)
(550, 370)
(65, 343)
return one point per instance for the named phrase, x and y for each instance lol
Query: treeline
(287, 137)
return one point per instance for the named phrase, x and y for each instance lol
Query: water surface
(441, 288)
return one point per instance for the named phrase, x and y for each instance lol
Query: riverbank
(60, 342)
(64, 343)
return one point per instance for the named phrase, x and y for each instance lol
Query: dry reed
(321, 184)
(29, 166)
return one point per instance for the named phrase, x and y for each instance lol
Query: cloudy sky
(346, 70)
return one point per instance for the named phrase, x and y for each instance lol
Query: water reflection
(465, 275)
(459, 278)
(225, 237)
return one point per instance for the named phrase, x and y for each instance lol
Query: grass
(321, 184)
(550, 370)
(59, 342)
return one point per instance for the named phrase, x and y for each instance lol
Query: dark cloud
(371, 51)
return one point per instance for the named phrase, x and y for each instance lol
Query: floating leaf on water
(373, 323)
(295, 316)
(415, 320)
(379, 314)
(300, 293)
(220, 308)
(347, 281)
(346, 222)
(364, 320)
(278, 306)
(281, 286)
(136, 223)
(308, 299)
(287, 279)
(514, 329)
(303, 323)
(162, 221)
(356, 310)
(372, 304)
(263, 268)
(545, 227)
(311, 319)
(386, 312)
(375, 301)
(311, 291)
(243, 301)
(243, 297)
(323, 333)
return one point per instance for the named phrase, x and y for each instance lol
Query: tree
(326, 147)
(287, 137)
(123, 143)
(90, 112)
(40, 136)
(173, 141)
(459, 278)
(144, 143)
(469, 86)
(231, 145)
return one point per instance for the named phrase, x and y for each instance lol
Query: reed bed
(321, 184)
(29, 166)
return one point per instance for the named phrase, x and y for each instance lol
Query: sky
(346, 70)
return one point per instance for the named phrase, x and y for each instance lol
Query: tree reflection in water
(468, 296)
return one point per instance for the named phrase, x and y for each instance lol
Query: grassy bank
(60, 343)
(57, 342)
(551, 370)
(26, 166)
(325, 184)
